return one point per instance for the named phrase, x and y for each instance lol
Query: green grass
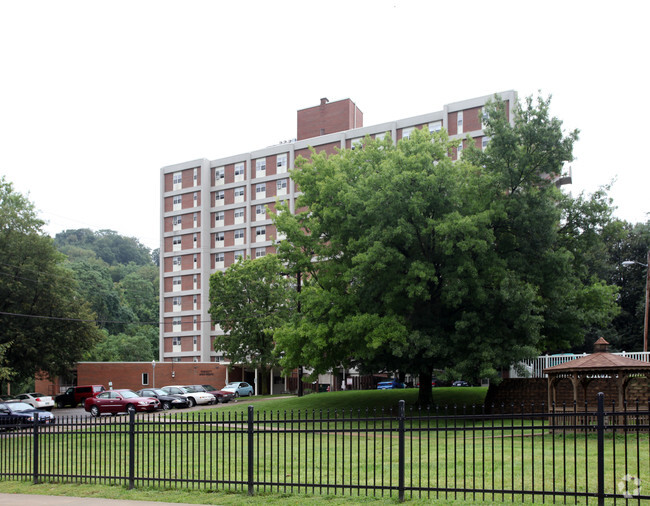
(361, 400)
(204, 496)
(208, 450)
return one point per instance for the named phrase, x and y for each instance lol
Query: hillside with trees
(118, 278)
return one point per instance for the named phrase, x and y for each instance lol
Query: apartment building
(214, 211)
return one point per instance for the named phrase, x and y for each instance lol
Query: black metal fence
(479, 454)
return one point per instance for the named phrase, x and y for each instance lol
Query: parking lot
(81, 412)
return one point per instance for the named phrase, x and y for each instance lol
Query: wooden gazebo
(599, 365)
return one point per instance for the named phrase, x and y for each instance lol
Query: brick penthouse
(214, 211)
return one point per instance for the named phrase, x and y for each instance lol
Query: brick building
(214, 211)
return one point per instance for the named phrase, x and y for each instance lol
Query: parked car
(460, 383)
(389, 385)
(5, 398)
(36, 400)
(219, 395)
(167, 400)
(238, 388)
(192, 396)
(74, 396)
(119, 401)
(19, 413)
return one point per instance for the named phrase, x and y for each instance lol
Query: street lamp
(153, 366)
(627, 263)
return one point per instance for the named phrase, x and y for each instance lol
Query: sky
(96, 97)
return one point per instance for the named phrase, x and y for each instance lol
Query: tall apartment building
(214, 211)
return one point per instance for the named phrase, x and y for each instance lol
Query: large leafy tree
(415, 262)
(250, 300)
(44, 322)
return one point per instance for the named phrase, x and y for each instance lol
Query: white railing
(533, 368)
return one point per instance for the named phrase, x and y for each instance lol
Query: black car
(14, 414)
(167, 401)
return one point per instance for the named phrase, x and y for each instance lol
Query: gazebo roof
(600, 361)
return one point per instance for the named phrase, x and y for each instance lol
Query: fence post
(401, 452)
(131, 449)
(35, 454)
(601, 448)
(250, 450)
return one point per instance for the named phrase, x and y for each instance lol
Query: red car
(119, 401)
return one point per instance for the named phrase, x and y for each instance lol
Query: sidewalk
(60, 500)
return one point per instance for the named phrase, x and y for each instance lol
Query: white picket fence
(533, 368)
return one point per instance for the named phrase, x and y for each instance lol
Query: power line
(97, 321)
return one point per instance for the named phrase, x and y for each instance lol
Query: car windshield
(191, 390)
(128, 394)
(19, 406)
(209, 387)
(37, 395)
(160, 391)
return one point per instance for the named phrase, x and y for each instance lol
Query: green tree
(250, 300)
(41, 313)
(414, 262)
(123, 348)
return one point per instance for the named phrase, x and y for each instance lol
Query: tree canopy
(414, 262)
(250, 300)
(44, 324)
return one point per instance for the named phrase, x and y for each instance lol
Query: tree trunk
(263, 380)
(425, 394)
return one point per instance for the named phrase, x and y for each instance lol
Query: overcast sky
(96, 97)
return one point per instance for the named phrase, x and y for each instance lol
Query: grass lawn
(192, 453)
(362, 400)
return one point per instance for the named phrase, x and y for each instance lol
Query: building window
(239, 194)
(176, 283)
(176, 302)
(406, 132)
(260, 252)
(176, 341)
(195, 218)
(356, 143)
(196, 199)
(219, 238)
(178, 201)
(239, 172)
(195, 239)
(239, 233)
(219, 218)
(260, 191)
(219, 198)
(195, 176)
(176, 243)
(281, 187)
(239, 254)
(176, 325)
(145, 378)
(484, 142)
(484, 118)
(459, 150)
(459, 122)
(260, 212)
(281, 164)
(177, 220)
(219, 259)
(260, 167)
(219, 175)
(176, 359)
(239, 215)
(436, 126)
(380, 136)
(177, 180)
(260, 233)
(176, 262)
